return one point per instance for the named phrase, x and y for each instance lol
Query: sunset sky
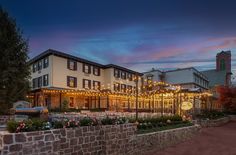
(140, 34)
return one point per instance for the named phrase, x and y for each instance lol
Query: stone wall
(145, 143)
(214, 122)
(98, 140)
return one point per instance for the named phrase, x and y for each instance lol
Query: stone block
(15, 147)
(20, 138)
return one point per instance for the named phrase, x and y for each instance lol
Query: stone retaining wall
(214, 122)
(162, 139)
(98, 140)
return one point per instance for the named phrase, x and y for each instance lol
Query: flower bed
(37, 125)
(160, 123)
(210, 115)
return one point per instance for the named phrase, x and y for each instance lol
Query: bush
(87, 121)
(213, 114)
(12, 126)
(57, 124)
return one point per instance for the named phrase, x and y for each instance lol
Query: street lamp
(136, 95)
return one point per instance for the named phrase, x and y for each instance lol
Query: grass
(168, 127)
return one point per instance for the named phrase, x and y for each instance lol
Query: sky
(139, 34)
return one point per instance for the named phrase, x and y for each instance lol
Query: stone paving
(210, 141)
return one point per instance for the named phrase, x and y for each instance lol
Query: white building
(188, 78)
(57, 77)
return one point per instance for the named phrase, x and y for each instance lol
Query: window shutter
(98, 71)
(68, 81)
(75, 82)
(75, 64)
(89, 83)
(83, 83)
(89, 71)
(68, 64)
(84, 68)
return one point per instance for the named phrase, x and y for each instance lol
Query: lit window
(71, 81)
(86, 84)
(96, 85)
(71, 103)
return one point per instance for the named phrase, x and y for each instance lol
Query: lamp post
(136, 96)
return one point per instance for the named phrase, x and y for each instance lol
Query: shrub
(71, 124)
(12, 126)
(57, 124)
(87, 121)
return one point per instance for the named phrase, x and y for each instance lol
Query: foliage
(65, 110)
(113, 121)
(65, 105)
(172, 126)
(212, 114)
(12, 125)
(227, 98)
(156, 122)
(57, 124)
(87, 121)
(14, 69)
(71, 124)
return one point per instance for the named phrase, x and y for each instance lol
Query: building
(189, 78)
(58, 78)
(222, 74)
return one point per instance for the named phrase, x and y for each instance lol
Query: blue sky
(140, 34)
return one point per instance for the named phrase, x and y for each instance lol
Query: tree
(227, 98)
(14, 70)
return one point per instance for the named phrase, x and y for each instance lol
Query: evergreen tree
(14, 70)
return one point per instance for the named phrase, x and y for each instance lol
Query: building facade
(189, 78)
(59, 78)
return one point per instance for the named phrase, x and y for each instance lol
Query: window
(96, 71)
(40, 65)
(123, 75)
(129, 76)
(222, 64)
(45, 80)
(71, 81)
(123, 87)
(129, 88)
(116, 87)
(40, 81)
(87, 68)
(116, 73)
(71, 102)
(71, 64)
(35, 83)
(35, 65)
(96, 85)
(86, 84)
(45, 62)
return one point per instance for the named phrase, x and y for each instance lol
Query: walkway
(211, 141)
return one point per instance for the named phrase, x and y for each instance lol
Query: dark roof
(224, 52)
(65, 55)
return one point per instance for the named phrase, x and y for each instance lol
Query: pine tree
(14, 70)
